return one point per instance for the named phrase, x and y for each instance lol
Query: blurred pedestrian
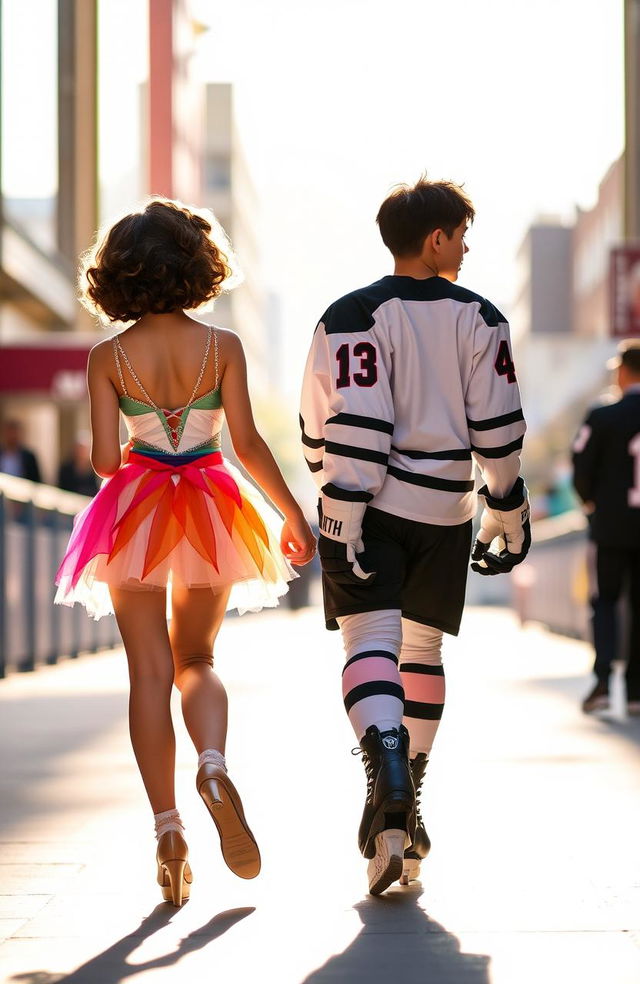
(407, 382)
(75, 473)
(15, 458)
(173, 510)
(606, 463)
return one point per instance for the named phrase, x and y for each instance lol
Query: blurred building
(106, 109)
(48, 212)
(543, 295)
(230, 193)
(596, 231)
(561, 324)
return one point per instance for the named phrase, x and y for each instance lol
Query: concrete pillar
(632, 121)
(77, 132)
(160, 174)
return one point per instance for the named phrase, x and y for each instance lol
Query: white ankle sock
(213, 756)
(169, 820)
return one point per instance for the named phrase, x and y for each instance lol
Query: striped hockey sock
(371, 684)
(422, 675)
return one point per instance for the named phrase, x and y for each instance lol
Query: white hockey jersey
(406, 384)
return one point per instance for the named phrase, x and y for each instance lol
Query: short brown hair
(160, 259)
(410, 214)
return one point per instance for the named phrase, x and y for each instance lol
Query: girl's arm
(297, 541)
(106, 454)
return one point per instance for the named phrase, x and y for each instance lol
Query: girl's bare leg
(141, 617)
(197, 614)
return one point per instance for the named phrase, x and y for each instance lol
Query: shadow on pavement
(111, 966)
(399, 942)
(574, 689)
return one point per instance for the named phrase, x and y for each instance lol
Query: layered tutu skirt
(163, 519)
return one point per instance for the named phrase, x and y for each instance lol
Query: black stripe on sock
(370, 653)
(424, 712)
(373, 689)
(425, 668)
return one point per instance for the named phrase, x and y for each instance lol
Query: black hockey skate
(388, 820)
(421, 845)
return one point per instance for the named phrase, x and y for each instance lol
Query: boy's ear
(431, 242)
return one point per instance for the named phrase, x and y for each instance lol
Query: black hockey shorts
(420, 569)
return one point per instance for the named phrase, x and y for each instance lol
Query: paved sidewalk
(533, 810)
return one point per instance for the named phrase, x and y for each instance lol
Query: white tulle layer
(251, 588)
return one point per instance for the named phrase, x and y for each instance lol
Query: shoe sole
(597, 704)
(410, 871)
(386, 866)
(393, 803)
(239, 848)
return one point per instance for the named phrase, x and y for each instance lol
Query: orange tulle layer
(156, 519)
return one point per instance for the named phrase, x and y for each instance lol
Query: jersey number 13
(366, 373)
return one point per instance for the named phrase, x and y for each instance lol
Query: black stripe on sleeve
(310, 442)
(314, 466)
(456, 454)
(346, 495)
(357, 420)
(351, 451)
(429, 482)
(372, 689)
(502, 452)
(492, 422)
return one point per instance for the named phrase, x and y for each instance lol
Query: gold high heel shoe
(221, 798)
(174, 872)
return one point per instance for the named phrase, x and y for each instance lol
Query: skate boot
(421, 845)
(388, 820)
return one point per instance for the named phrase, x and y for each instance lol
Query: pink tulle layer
(154, 522)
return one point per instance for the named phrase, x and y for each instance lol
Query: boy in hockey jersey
(409, 381)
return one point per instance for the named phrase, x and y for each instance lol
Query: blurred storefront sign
(57, 371)
(625, 291)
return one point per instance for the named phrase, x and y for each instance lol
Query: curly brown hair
(155, 261)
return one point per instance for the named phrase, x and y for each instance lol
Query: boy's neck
(414, 266)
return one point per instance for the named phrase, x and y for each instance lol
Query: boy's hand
(297, 542)
(340, 541)
(508, 520)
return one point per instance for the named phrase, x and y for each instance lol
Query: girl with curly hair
(173, 512)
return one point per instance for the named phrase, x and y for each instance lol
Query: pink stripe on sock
(371, 668)
(423, 688)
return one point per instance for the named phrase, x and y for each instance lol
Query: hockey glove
(340, 541)
(508, 520)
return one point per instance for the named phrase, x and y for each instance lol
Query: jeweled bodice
(195, 427)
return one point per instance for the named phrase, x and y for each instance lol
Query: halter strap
(117, 358)
(119, 352)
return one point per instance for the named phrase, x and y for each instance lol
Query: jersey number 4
(368, 368)
(504, 363)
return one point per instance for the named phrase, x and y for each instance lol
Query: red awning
(57, 371)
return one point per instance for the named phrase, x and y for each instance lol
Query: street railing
(553, 585)
(35, 522)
